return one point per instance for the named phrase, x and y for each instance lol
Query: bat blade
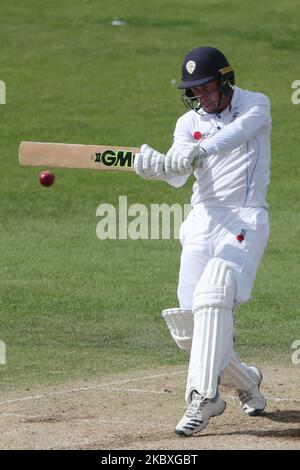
(93, 157)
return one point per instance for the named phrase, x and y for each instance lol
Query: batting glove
(149, 164)
(181, 159)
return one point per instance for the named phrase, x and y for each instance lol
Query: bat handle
(198, 162)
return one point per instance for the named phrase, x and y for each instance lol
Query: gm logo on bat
(111, 158)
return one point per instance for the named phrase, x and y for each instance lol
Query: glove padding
(181, 158)
(149, 164)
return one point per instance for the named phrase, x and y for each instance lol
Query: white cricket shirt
(237, 141)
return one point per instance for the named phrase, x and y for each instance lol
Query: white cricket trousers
(236, 235)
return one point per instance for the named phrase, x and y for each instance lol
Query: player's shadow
(284, 416)
(281, 416)
(290, 433)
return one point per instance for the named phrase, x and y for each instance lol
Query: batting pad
(237, 375)
(180, 323)
(212, 344)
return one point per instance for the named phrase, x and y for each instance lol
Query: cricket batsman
(224, 139)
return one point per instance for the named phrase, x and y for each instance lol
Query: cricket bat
(93, 157)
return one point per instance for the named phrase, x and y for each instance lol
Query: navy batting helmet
(202, 65)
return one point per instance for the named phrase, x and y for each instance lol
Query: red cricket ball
(46, 178)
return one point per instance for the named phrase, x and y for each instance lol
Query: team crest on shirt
(190, 66)
(200, 135)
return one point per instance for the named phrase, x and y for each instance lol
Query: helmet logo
(190, 66)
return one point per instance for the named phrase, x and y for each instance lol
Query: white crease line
(89, 387)
(137, 379)
(283, 399)
(234, 399)
(271, 399)
(136, 390)
(19, 415)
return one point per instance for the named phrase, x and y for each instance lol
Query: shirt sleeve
(242, 129)
(183, 129)
(182, 133)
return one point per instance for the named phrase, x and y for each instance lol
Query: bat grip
(198, 162)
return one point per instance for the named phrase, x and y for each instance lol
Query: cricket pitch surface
(139, 410)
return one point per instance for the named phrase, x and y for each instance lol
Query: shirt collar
(234, 100)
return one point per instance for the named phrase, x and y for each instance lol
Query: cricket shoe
(198, 413)
(253, 402)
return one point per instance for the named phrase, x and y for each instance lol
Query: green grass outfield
(75, 307)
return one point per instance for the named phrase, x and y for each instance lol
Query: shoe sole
(256, 412)
(183, 434)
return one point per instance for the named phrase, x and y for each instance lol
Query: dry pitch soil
(139, 410)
